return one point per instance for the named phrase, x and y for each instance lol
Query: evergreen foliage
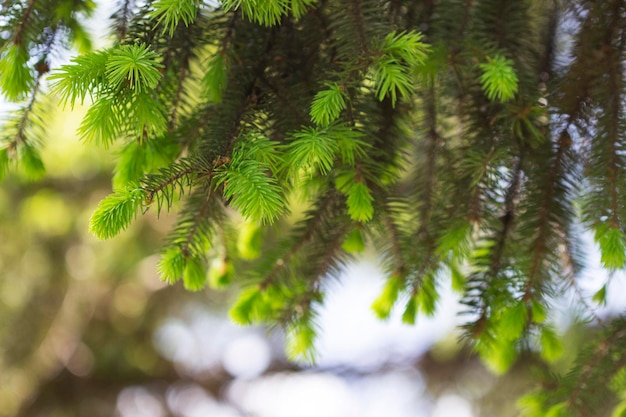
(466, 140)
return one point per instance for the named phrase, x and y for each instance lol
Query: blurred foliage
(78, 317)
(69, 303)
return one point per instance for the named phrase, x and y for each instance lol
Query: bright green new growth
(133, 66)
(103, 122)
(84, 78)
(248, 181)
(21, 137)
(327, 105)
(214, 80)
(120, 81)
(538, 312)
(513, 321)
(249, 241)
(169, 13)
(250, 190)
(551, 346)
(402, 53)
(498, 78)
(410, 311)
(311, 150)
(360, 202)
(427, 297)
(4, 162)
(194, 273)
(171, 265)
(354, 243)
(268, 12)
(116, 212)
(246, 310)
(31, 162)
(600, 296)
(384, 303)
(16, 78)
(612, 246)
(221, 273)
(300, 342)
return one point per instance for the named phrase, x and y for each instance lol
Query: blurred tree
(468, 139)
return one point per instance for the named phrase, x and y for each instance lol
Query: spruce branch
(429, 174)
(357, 17)
(169, 13)
(116, 212)
(456, 134)
(16, 77)
(122, 18)
(196, 224)
(307, 231)
(498, 79)
(264, 12)
(544, 224)
(134, 66)
(19, 31)
(28, 133)
(168, 180)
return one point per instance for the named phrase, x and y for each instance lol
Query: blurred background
(88, 329)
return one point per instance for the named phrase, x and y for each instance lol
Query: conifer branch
(481, 282)
(327, 100)
(20, 135)
(591, 366)
(571, 279)
(156, 184)
(19, 31)
(199, 217)
(327, 261)
(230, 29)
(546, 67)
(543, 227)
(508, 218)
(614, 110)
(296, 112)
(123, 17)
(357, 18)
(303, 236)
(396, 246)
(429, 176)
(467, 8)
(180, 83)
(41, 68)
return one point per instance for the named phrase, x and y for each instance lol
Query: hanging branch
(19, 31)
